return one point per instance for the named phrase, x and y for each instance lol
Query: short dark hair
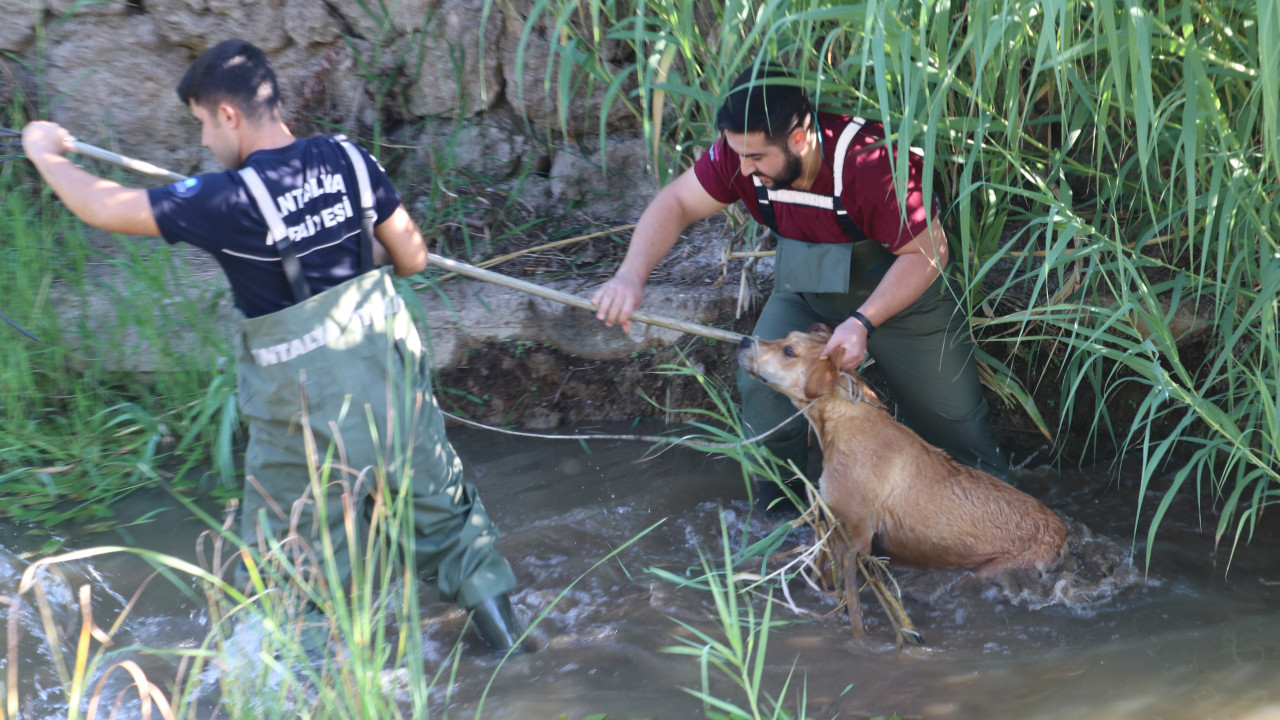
(764, 99)
(232, 71)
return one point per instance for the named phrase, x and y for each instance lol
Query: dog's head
(793, 365)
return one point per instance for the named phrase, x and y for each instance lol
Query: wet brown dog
(881, 479)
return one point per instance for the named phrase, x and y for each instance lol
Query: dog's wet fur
(883, 482)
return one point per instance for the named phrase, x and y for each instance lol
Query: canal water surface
(1186, 638)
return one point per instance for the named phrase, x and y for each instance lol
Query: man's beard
(791, 171)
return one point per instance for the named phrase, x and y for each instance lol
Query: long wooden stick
(471, 271)
(476, 273)
(138, 166)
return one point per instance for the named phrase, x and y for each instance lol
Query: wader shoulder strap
(367, 212)
(842, 151)
(765, 205)
(279, 234)
(765, 198)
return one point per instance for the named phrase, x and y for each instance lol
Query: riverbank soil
(536, 385)
(504, 358)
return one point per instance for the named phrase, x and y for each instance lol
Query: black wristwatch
(865, 322)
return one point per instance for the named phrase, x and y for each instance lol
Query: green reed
(740, 654)
(289, 634)
(295, 641)
(77, 427)
(737, 651)
(1111, 173)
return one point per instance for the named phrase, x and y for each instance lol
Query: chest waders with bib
(347, 365)
(924, 352)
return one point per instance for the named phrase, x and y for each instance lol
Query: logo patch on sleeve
(186, 188)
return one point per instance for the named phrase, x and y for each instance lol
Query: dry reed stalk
(830, 567)
(546, 246)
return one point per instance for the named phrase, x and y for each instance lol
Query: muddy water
(1183, 642)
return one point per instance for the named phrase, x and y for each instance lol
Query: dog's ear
(822, 376)
(820, 329)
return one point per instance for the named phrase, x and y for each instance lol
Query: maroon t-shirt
(869, 194)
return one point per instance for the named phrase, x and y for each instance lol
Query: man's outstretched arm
(677, 206)
(101, 203)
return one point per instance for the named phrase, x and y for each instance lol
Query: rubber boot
(496, 624)
(772, 500)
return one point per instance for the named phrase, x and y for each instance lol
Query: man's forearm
(904, 282)
(104, 204)
(656, 233)
(74, 186)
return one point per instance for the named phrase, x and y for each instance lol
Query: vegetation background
(1111, 171)
(1110, 168)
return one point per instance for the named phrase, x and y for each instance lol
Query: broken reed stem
(845, 564)
(11, 674)
(903, 628)
(548, 246)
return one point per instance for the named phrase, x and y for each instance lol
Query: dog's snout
(747, 340)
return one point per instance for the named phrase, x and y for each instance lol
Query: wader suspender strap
(766, 197)
(367, 212)
(279, 234)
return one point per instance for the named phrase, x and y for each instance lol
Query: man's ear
(228, 115)
(799, 132)
(823, 374)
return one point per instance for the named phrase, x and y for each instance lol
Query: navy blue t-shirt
(316, 193)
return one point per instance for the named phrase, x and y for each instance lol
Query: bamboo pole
(461, 268)
(138, 166)
(476, 273)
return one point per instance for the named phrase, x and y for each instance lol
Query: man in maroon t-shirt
(852, 253)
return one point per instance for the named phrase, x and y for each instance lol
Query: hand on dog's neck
(823, 374)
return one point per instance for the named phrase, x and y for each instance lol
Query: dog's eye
(788, 351)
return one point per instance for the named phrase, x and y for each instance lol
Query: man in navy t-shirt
(314, 188)
(327, 347)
